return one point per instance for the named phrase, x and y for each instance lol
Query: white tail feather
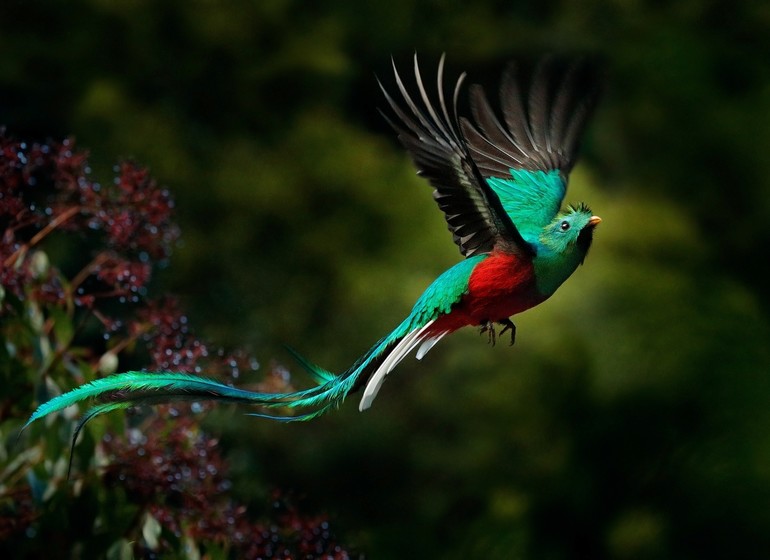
(401, 351)
(427, 344)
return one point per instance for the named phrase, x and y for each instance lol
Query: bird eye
(564, 225)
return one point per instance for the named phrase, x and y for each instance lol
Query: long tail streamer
(134, 388)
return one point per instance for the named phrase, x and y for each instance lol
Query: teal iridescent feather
(530, 198)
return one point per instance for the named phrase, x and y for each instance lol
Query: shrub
(75, 303)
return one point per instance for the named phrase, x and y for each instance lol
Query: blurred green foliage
(630, 421)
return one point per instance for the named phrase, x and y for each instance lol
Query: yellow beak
(594, 221)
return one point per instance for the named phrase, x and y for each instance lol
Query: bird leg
(489, 328)
(508, 325)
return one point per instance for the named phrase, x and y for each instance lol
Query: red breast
(500, 286)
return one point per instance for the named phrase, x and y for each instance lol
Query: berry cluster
(177, 475)
(46, 189)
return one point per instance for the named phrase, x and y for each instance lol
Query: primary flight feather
(500, 185)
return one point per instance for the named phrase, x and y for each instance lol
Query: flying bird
(499, 183)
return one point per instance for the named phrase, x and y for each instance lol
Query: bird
(500, 184)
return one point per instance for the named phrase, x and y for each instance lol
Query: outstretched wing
(527, 160)
(473, 211)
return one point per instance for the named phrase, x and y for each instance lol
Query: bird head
(571, 232)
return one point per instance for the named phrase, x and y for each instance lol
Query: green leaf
(120, 550)
(151, 531)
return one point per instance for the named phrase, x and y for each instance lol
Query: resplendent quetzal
(500, 187)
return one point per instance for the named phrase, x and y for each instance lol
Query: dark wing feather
(545, 135)
(433, 138)
(512, 102)
(538, 105)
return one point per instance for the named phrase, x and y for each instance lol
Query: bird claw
(508, 325)
(489, 328)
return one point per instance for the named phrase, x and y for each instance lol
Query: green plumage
(444, 292)
(530, 198)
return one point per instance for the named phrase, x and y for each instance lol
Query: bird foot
(489, 328)
(509, 326)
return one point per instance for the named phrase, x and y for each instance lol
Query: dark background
(631, 420)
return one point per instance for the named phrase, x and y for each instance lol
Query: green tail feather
(133, 388)
(318, 374)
